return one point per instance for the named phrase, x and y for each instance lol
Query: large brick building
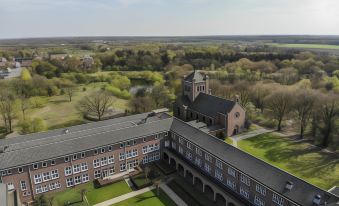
(198, 106)
(35, 164)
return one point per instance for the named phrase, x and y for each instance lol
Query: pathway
(254, 133)
(178, 201)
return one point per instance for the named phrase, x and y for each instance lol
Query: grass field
(93, 195)
(306, 46)
(148, 199)
(300, 159)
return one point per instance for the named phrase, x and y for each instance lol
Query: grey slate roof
(3, 195)
(33, 148)
(203, 104)
(195, 76)
(274, 178)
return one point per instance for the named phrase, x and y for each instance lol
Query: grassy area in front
(298, 158)
(93, 195)
(148, 199)
(307, 46)
(141, 181)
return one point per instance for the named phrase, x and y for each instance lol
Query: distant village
(10, 68)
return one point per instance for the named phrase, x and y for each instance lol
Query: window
(37, 178)
(66, 159)
(103, 161)
(54, 174)
(134, 142)
(75, 157)
(102, 150)
(121, 145)
(53, 162)
(181, 140)
(122, 167)
(231, 184)
(128, 144)
(96, 152)
(23, 185)
(35, 166)
(207, 168)
(258, 201)
(84, 166)
(109, 148)
(9, 172)
(189, 145)
(68, 171)
(231, 172)
(3, 173)
(218, 175)
(44, 164)
(181, 151)
(145, 159)
(277, 199)
(111, 171)
(54, 185)
(218, 163)
(111, 159)
(174, 145)
(144, 150)
(85, 178)
(244, 179)
(237, 115)
(77, 180)
(198, 151)
(197, 161)
(121, 156)
(83, 154)
(208, 157)
(69, 182)
(260, 189)
(144, 139)
(188, 155)
(20, 170)
(97, 174)
(96, 163)
(41, 188)
(76, 168)
(244, 192)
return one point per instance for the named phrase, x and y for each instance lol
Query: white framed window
(122, 166)
(258, 201)
(69, 182)
(35, 166)
(44, 164)
(181, 140)
(144, 139)
(96, 163)
(83, 154)
(244, 192)
(218, 163)
(77, 180)
(231, 184)
(145, 159)
(23, 185)
(188, 145)
(277, 199)
(67, 159)
(188, 155)
(84, 166)
(244, 179)
(121, 156)
(97, 174)
(144, 150)
(260, 189)
(103, 161)
(75, 157)
(197, 161)
(208, 157)
(207, 168)
(38, 189)
(181, 151)
(121, 145)
(54, 174)
(218, 175)
(53, 162)
(198, 151)
(68, 171)
(20, 170)
(231, 171)
(109, 148)
(111, 171)
(9, 172)
(96, 152)
(37, 178)
(102, 150)
(111, 159)
(76, 168)
(85, 178)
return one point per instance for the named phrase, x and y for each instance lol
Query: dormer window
(20, 170)
(121, 145)
(102, 150)
(44, 164)
(66, 159)
(289, 185)
(75, 157)
(35, 166)
(317, 199)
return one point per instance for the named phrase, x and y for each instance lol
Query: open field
(306, 46)
(148, 199)
(300, 159)
(93, 195)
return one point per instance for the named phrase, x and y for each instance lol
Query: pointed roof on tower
(195, 75)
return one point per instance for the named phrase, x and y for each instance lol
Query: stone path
(254, 133)
(178, 201)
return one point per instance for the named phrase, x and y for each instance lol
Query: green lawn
(300, 159)
(93, 195)
(307, 46)
(148, 199)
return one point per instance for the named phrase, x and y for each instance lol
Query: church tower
(194, 84)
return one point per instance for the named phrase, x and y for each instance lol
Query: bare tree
(303, 105)
(279, 102)
(258, 94)
(7, 108)
(96, 104)
(83, 193)
(70, 92)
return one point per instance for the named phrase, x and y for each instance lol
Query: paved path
(125, 196)
(178, 201)
(254, 133)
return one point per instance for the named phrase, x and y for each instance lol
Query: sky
(53, 18)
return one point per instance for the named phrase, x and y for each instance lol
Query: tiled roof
(195, 76)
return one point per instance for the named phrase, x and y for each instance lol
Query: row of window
(150, 148)
(75, 169)
(49, 187)
(77, 180)
(103, 161)
(151, 157)
(46, 176)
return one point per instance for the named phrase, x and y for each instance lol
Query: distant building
(23, 62)
(198, 106)
(58, 56)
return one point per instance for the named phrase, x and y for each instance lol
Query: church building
(201, 109)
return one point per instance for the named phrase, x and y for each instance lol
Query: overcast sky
(50, 18)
